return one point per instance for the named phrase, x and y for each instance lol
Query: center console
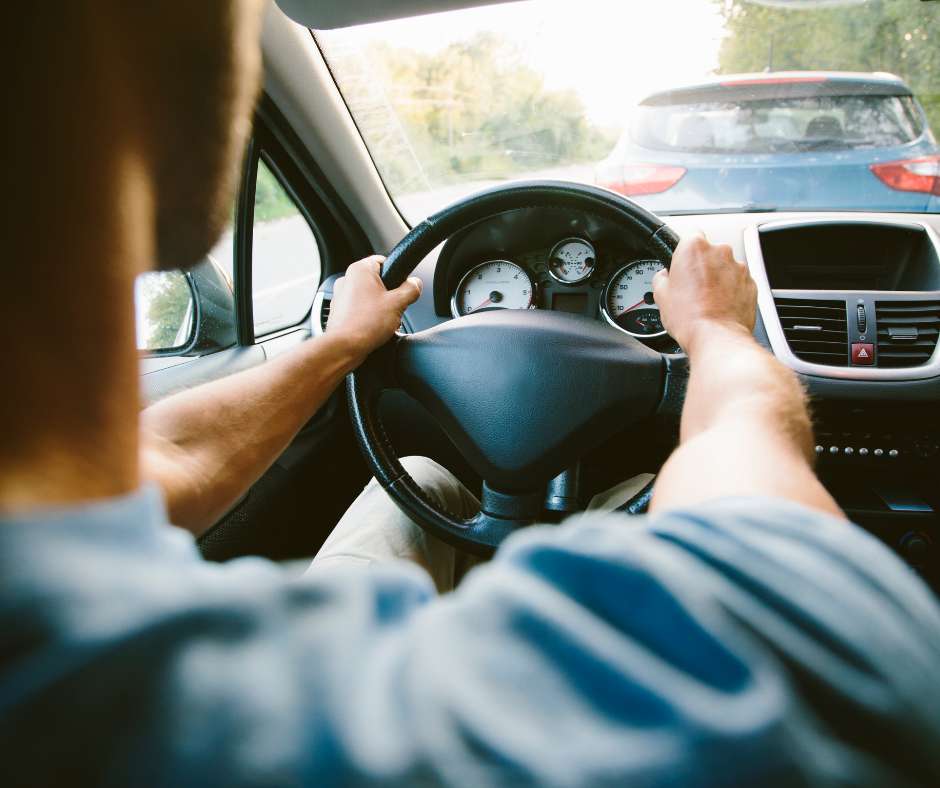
(860, 301)
(851, 300)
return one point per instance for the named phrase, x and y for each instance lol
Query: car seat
(823, 126)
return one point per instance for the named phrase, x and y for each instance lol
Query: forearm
(208, 445)
(745, 428)
(735, 380)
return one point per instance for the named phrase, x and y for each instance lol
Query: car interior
(588, 393)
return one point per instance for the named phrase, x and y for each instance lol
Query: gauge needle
(485, 303)
(625, 310)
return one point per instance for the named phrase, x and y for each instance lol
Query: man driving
(742, 633)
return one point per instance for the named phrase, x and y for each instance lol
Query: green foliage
(271, 201)
(476, 109)
(167, 296)
(898, 36)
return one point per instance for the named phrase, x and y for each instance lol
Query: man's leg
(374, 530)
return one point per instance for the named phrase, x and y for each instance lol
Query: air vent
(816, 331)
(907, 332)
(324, 313)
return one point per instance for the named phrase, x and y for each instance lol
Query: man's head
(176, 80)
(123, 126)
(199, 69)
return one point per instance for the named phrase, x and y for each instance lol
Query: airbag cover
(525, 393)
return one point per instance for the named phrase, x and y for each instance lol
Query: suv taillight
(633, 179)
(910, 175)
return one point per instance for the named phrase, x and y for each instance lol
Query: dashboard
(551, 259)
(849, 301)
(570, 276)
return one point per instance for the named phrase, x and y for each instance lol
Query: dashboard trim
(768, 310)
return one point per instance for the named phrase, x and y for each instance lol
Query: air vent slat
(324, 313)
(816, 331)
(904, 349)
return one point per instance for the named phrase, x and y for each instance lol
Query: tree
(477, 106)
(167, 296)
(898, 36)
(473, 108)
(271, 201)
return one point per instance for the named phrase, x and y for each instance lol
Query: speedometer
(497, 284)
(628, 300)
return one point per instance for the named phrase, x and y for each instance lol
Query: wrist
(708, 335)
(347, 349)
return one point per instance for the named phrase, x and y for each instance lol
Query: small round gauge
(628, 300)
(571, 261)
(497, 284)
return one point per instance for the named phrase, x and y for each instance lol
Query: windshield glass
(682, 105)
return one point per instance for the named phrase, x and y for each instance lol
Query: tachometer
(497, 284)
(628, 300)
(571, 261)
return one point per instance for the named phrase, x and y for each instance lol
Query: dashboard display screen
(570, 302)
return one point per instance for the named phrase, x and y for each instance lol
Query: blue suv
(789, 140)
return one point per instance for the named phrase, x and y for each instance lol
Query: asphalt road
(285, 271)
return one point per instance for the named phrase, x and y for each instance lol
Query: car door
(248, 302)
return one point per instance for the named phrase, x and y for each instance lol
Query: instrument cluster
(571, 276)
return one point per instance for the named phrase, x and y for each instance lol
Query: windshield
(682, 105)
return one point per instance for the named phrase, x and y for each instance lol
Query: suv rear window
(779, 125)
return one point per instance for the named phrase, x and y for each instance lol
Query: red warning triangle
(863, 353)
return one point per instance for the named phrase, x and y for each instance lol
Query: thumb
(409, 290)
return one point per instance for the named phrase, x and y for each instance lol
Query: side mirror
(214, 299)
(191, 314)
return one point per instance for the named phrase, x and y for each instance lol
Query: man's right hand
(363, 310)
(704, 288)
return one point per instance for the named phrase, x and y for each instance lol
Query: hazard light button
(863, 353)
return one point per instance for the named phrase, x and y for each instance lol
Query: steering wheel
(519, 415)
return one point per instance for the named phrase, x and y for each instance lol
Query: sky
(612, 52)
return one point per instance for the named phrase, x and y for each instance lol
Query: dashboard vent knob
(816, 331)
(862, 320)
(907, 332)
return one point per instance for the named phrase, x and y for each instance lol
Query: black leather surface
(523, 393)
(639, 503)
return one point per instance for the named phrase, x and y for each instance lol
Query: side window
(285, 258)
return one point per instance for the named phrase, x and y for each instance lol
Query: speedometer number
(497, 284)
(628, 300)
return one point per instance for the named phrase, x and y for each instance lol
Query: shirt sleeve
(745, 642)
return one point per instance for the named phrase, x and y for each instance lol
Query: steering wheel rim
(502, 513)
